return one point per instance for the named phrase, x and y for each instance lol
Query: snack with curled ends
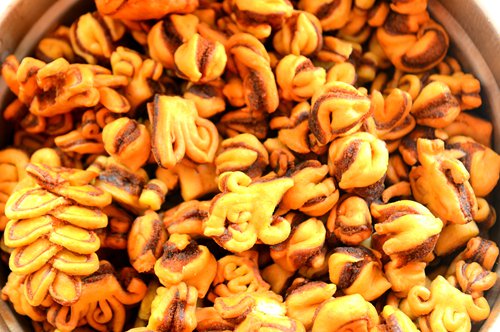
(408, 146)
(263, 321)
(350, 220)
(187, 218)
(335, 50)
(105, 296)
(145, 241)
(168, 34)
(303, 246)
(298, 78)
(144, 10)
(359, 164)
(304, 297)
(396, 320)
(479, 250)
(56, 45)
(143, 74)
(200, 60)
(93, 36)
(186, 261)
(403, 278)
(313, 193)
(208, 98)
(258, 17)
(127, 141)
(358, 270)
(472, 278)
(455, 236)
(242, 121)
(465, 87)
(243, 153)
(345, 313)
(337, 109)
(410, 230)
(332, 15)
(13, 291)
(178, 131)
(248, 58)
(444, 307)
(414, 43)
(441, 183)
(300, 34)
(238, 274)
(115, 235)
(243, 212)
(435, 106)
(281, 159)
(482, 163)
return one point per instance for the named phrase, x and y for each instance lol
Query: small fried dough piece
(138, 10)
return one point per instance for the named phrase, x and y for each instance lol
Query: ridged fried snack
(300, 34)
(350, 220)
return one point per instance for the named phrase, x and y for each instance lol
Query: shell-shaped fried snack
(105, 296)
(200, 60)
(209, 320)
(346, 313)
(298, 78)
(128, 142)
(145, 241)
(482, 163)
(144, 10)
(243, 212)
(142, 74)
(281, 159)
(238, 274)
(300, 34)
(244, 120)
(248, 57)
(444, 307)
(56, 45)
(313, 193)
(337, 109)
(473, 279)
(410, 230)
(358, 270)
(187, 218)
(304, 244)
(471, 126)
(335, 50)
(435, 106)
(455, 236)
(396, 320)
(414, 43)
(93, 36)
(208, 98)
(408, 146)
(359, 164)
(478, 250)
(259, 17)
(343, 72)
(243, 153)
(403, 278)
(168, 34)
(441, 183)
(332, 15)
(178, 131)
(465, 87)
(350, 220)
(184, 260)
(304, 297)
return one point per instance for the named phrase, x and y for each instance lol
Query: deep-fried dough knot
(243, 211)
(300, 34)
(187, 218)
(396, 320)
(435, 106)
(350, 220)
(441, 183)
(473, 279)
(178, 131)
(465, 87)
(332, 15)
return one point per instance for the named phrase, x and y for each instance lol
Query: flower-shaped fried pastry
(200, 60)
(435, 106)
(13, 291)
(300, 34)
(102, 305)
(464, 87)
(184, 260)
(248, 57)
(142, 74)
(473, 279)
(337, 109)
(244, 120)
(479, 250)
(298, 78)
(482, 163)
(396, 320)
(304, 297)
(187, 218)
(410, 230)
(443, 307)
(243, 212)
(144, 10)
(238, 274)
(332, 15)
(177, 130)
(350, 220)
(244, 153)
(441, 182)
(403, 278)
(145, 241)
(358, 270)
(414, 43)
(281, 159)
(313, 192)
(346, 313)
(128, 142)
(359, 163)
(93, 36)
(304, 244)
(258, 17)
